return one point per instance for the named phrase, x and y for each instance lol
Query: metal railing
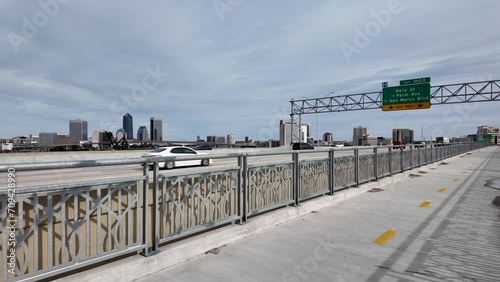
(52, 229)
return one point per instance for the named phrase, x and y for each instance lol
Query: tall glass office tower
(128, 125)
(156, 125)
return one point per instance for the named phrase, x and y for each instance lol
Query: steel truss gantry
(482, 91)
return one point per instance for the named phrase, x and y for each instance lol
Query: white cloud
(234, 75)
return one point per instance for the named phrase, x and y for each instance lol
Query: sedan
(177, 152)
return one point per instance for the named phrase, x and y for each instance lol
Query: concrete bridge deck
(435, 223)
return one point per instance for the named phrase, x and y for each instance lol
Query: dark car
(302, 146)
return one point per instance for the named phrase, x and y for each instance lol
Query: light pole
(432, 126)
(396, 120)
(317, 128)
(317, 119)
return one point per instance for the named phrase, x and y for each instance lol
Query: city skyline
(283, 131)
(237, 72)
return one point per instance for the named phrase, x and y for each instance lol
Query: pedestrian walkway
(438, 224)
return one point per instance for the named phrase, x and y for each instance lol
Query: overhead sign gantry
(470, 92)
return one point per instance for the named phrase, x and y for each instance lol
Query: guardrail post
(425, 154)
(149, 251)
(402, 158)
(356, 166)
(154, 215)
(242, 193)
(145, 207)
(375, 163)
(390, 160)
(296, 176)
(432, 153)
(331, 171)
(419, 161)
(411, 156)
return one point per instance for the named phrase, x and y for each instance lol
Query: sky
(232, 66)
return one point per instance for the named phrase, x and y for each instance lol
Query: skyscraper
(156, 126)
(230, 139)
(128, 125)
(359, 135)
(78, 130)
(286, 129)
(142, 134)
(328, 137)
(404, 135)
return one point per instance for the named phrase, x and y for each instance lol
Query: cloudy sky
(232, 66)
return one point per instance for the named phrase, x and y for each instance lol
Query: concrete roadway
(58, 176)
(438, 224)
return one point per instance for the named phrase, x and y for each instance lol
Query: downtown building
(120, 134)
(360, 137)
(286, 132)
(156, 127)
(328, 138)
(142, 134)
(404, 135)
(128, 126)
(78, 130)
(100, 139)
(231, 139)
(47, 138)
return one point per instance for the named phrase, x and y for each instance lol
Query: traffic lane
(70, 175)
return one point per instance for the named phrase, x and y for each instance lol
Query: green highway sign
(415, 81)
(406, 97)
(487, 137)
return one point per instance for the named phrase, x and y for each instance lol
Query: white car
(177, 152)
(339, 145)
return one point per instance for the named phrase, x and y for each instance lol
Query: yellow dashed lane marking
(464, 172)
(456, 180)
(385, 237)
(442, 190)
(425, 204)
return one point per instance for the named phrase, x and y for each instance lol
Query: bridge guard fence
(51, 230)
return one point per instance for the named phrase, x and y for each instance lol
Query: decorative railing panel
(415, 157)
(421, 156)
(383, 164)
(406, 159)
(428, 152)
(313, 178)
(269, 186)
(191, 203)
(366, 168)
(396, 161)
(69, 226)
(345, 172)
